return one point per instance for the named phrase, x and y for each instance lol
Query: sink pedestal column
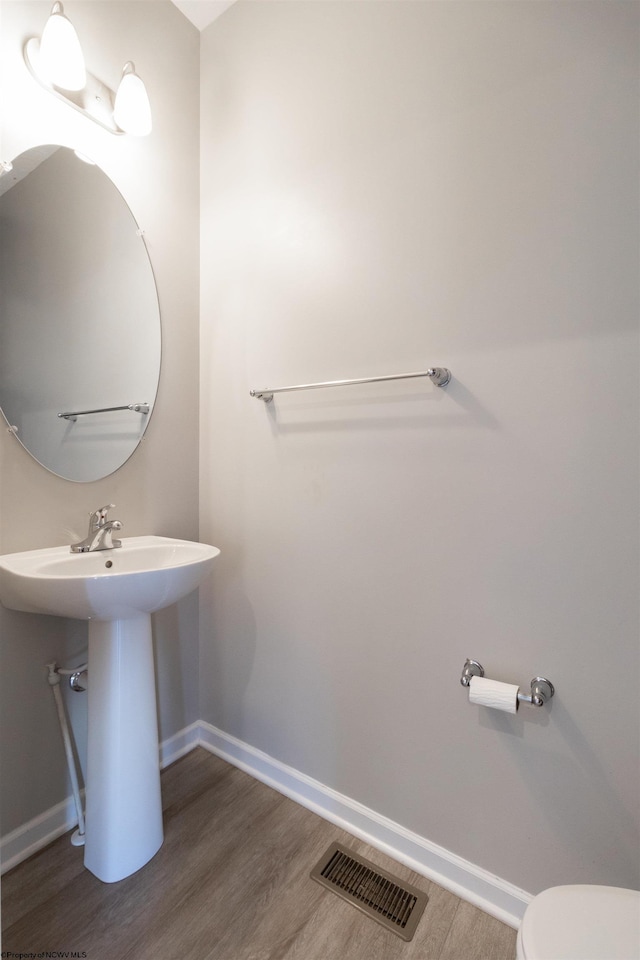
(124, 806)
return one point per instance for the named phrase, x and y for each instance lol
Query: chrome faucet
(100, 535)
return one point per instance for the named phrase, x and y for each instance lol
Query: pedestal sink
(116, 591)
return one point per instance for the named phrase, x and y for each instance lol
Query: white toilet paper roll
(493, 693)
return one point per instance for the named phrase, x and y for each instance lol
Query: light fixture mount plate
(95, 101)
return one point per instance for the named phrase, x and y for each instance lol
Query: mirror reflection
(79, 316)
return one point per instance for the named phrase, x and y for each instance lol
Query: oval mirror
(79, 316)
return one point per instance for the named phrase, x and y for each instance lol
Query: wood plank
(475, 935)
(231, 882)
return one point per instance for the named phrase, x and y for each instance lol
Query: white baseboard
(184, 741)
(495, 896)
(466, 880)
(37, 833)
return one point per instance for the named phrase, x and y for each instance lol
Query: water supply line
(77, 838)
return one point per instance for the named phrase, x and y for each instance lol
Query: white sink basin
(116, 591)
(145, 574)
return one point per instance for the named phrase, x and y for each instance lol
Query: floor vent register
(395, 904)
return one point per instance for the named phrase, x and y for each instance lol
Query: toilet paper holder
(541, 688)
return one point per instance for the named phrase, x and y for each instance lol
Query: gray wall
(157, 490)
(388, 186)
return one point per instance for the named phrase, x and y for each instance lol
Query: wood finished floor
(231, 882)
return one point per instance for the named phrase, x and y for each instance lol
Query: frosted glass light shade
(61, 61)
(132, 110)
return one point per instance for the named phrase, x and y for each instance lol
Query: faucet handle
(99, 516)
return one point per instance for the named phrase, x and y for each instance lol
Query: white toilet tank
(581, 922)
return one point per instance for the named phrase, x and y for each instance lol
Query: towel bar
(439, 376)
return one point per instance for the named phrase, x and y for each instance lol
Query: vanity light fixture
(85, 158)
(57, 63)
(61, 58)
(132, 110)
